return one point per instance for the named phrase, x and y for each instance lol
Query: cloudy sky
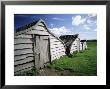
(62, 24)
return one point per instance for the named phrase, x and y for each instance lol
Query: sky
(63, 24)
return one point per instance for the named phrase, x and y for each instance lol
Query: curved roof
(83, 40)
(68, 40)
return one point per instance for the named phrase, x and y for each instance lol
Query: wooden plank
(46, 47)
(56, 56)
(73, 46)
(57, 52)
(37, 32)
(23, 36)
(42, 52)
(52, 37)
(22, 56)
(37, 52)
(19, 41)
(25, 51)
(53, 51)
(56, 43)
(74, 43)
(24, 66)
(54, 40)
(24, 61)
(56, 46)
(23, 46)
(40, 28)
(40, 24)
(78, 45)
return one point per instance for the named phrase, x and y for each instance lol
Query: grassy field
(80, 64)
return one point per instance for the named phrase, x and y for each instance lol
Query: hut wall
(23, 53)
(57, 48)
(24, 58)
(83, 45)
(75, 45)
(86, 45)
(78, 44)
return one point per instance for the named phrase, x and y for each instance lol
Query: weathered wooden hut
(35, 45)
(83, 45)
(71, 42)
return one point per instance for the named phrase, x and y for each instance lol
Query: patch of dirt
(53, 72)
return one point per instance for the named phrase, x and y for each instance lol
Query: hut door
(42, 51)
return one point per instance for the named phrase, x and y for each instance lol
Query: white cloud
(86, 27)
(61, 31)
(58, 19)
(95, 29)
(87, 35)
(92, 15)
(89, 21)
(77, 20)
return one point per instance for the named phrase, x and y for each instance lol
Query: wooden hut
(83, 45)
(71, 42)
(35, 46)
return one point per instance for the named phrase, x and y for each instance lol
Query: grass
(81, 64)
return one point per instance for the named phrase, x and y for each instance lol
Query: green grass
(80, 64)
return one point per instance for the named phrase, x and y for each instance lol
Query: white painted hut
(35, 45)
(83, 44)
(71, 42)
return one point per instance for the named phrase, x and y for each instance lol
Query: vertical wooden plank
(47, 50)
(44, 50)
(78, 44)
(41, 52)
(37, 51)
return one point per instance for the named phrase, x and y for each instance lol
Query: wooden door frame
(34, 46)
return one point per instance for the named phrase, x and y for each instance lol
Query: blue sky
(63, 24)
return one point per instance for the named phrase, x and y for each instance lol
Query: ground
(54, 72)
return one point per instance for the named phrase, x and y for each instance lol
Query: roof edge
(28, 29)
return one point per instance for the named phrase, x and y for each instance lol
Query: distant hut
(35, 46)
(71, 42)
(83, 45)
